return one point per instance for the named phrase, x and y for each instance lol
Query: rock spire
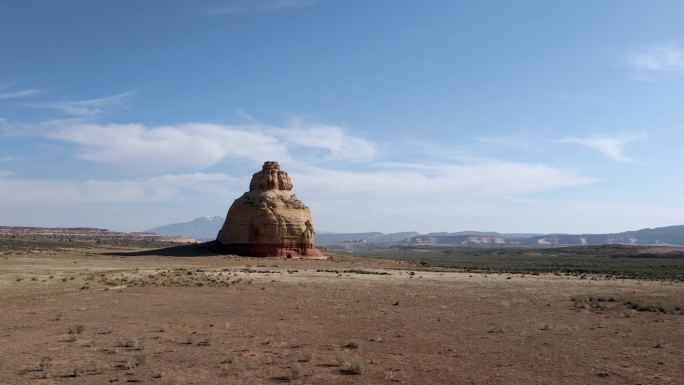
(269, 220)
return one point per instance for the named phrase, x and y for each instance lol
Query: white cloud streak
(333, 169)
(85, 107)
(334, 141)
(6, 158)
(250, 6)
(664, 57)
(7, 93)
(194, 146)
(610, 146)
(484, 179)
(518, 143)
(50, 192)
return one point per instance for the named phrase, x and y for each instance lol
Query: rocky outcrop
(269, 220)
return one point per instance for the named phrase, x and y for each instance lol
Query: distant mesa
(90, 234)
(269, 220)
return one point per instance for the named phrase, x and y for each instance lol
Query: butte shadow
(204, 249)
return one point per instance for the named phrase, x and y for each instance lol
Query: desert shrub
(354, 366)
(359, 271)
(340, 358)
(127, 365)
(188, 341)
(45, 365)
(78, 329)
(77, 372)
(295, 371)
(133, 343)
(303, 356)
(228, 360)
(140, 359)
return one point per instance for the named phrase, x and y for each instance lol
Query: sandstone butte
(269, 220)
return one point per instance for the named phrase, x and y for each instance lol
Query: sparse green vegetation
(34, 243)
(613, 261)
(602, 303)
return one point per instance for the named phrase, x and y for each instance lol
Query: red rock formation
(269, 220)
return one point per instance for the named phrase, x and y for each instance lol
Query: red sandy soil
(145, 319)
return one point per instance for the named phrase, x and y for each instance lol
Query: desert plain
(119, 313)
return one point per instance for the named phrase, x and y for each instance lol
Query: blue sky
(527, 116)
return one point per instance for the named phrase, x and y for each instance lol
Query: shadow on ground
(191, 250)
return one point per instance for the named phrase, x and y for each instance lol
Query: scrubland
(101, 313)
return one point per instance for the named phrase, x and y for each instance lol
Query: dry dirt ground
(79, 316)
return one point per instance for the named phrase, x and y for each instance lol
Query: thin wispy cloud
(610, 146)
(46, 192)
(7, 92)
(6, 158)
(583, 99)
(665, 57)
(334, 168)
(249, 6)
(202, 144)
(298, 145)
(484, 179)
(85, 107)
(513, 142)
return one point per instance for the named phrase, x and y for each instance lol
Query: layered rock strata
(269, 220)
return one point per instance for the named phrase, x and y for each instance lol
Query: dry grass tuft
(45, 366)
(295, 371)
(78, 329)
(355, 366)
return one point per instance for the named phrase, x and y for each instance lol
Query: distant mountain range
(203, 228)
(206, 228)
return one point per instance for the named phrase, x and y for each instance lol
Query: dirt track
(146, 319)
